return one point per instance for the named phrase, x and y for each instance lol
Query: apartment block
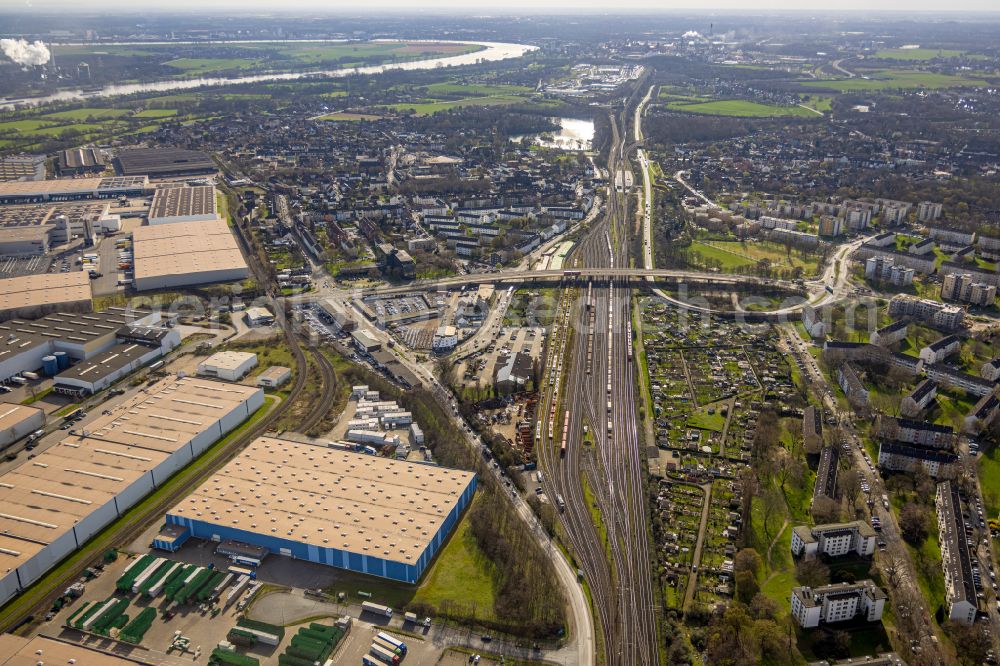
(964, 287)
(938, 315)
(837, 603)
(941, 349)
(956, 561)
(891, 334)
(918, 433)
(897, 457)
(852, 386)
(919, 399)
(882, 268)
(928, 211)
(834, 540)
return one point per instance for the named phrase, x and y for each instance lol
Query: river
(493, 51)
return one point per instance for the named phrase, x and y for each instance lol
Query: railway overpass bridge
(800, 294)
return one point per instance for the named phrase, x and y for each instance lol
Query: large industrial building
(58, 221)
(17, 421)
(21, 651)
(186, 253)
(332, 506)
(72, 189)
(67, 493)
(37, 295)
(79, 161)
(182, 203)
(58, 339)
(163, 162)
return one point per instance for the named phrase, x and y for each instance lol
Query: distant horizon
(463, 9)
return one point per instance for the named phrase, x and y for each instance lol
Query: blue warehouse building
(373, 515)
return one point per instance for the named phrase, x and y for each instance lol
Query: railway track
(600, 395)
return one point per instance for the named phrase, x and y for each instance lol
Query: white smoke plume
(25, 53)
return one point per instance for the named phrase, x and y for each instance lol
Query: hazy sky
(498, 6)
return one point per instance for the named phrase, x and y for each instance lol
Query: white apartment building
(837, 603)
(834, 540)
(965, 288)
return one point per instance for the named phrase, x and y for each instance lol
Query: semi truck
(377, 609)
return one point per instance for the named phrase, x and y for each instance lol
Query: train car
(560, 502)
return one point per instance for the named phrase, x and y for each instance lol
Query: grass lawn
(886, 79)
(18, 126)
(736, 254)
(989, 479)
(819, 102)
(728, 260)
(702, 419)
(917, 54)
(740, 108)
(461, 572)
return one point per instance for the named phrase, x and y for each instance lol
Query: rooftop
(12, 415)
(185, 248)
(20, 651)
(183, 201)
(163, 160)
(228, 360)
(45, 289)
(45, 497)
(330, 498)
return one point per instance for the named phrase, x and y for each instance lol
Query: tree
(763, 607)
(893, 568)
(913, 521)
(772, 504)
(975, 644)
(812, 572)
(825, 510)
(747, 559)
(831, 644)
(850, 486)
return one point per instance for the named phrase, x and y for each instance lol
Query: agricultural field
(889, 79)
(740, 109)
(917, 54)
(428, 107)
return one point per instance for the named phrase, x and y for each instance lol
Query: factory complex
(332, 506)
(67, 493)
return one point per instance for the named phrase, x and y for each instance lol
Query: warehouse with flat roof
(378, 516)
(17, 421)
(163, 162)
(54, 503)
(21, 651)
(37, 295)
(183, 203)
(186, 253)
(68, 189)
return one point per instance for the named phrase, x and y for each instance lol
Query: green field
(461, 572)
(740, 109)
(156, 113)
(888, 79)
(917, 54)
(198, 66)
(428, 107)
(88, 112)
(473, 89)
(348, 116)
(773, 252)
(728, 260)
